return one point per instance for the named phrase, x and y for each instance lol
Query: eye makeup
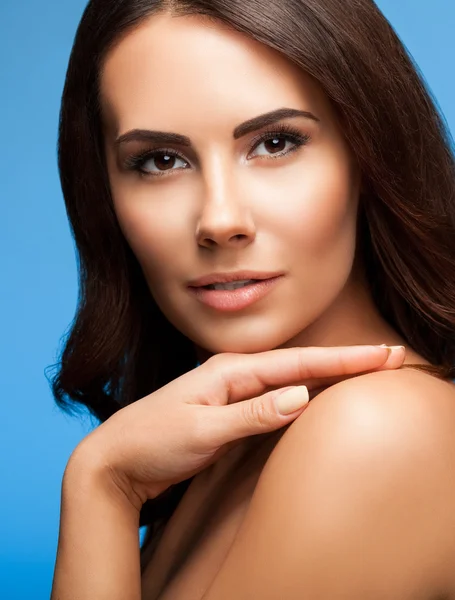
(278, 132)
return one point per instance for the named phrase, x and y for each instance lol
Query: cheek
(152, 226)
(317, 208)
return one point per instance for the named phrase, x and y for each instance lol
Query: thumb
(289, 400)
(261, 414)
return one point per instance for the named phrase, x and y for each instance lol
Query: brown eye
(156, 163)
(279, 143)
(275, 144)
(163, 161)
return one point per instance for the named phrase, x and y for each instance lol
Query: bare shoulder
(404, 414)
(404, 409)
(406, 398)
(410, 382)
(394, 433)
(356, 499)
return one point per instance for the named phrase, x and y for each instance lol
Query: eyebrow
(163, 137)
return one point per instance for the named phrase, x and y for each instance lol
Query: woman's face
(222, 202)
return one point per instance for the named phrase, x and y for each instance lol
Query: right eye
(155, 163)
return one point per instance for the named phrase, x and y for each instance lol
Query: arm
(199, 414)
(356, 500)
(98, 546)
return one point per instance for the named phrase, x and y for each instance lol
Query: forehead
(176, 69)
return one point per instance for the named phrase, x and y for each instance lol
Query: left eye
(276, 144)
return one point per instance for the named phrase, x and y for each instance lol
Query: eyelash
(135, 162)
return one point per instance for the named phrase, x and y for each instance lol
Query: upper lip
(227, 277)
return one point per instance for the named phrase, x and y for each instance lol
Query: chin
(247, 343)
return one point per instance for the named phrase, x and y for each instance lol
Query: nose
(225, 220)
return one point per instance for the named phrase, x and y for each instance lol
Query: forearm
(98, 547)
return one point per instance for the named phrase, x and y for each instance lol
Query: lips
(230, 277)
(235, 300)
(232, 284)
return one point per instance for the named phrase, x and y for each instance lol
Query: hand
(188, 424)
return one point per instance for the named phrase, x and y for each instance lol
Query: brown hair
(120, 346)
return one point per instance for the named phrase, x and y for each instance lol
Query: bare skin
(198, 536)
(226, 204)
(201, 533)
(172, 434)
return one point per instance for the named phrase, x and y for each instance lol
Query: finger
(261, 414)
(252, 417)
(247, 375)
(394, 361)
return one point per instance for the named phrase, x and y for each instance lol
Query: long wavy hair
(120, 347)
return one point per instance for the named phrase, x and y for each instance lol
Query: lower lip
(231, 300)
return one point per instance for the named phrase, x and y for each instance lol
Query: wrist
(87, 473)
(98, 552)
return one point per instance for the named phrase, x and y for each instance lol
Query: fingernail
(389, 350)
(397, 348)
(395, 356)
(292, 400)
(392, 348)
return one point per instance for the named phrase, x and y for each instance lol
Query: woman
(291, 141)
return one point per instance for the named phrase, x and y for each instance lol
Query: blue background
(39, 283)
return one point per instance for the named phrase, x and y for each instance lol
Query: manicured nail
(396, 353)
(389, 350)
(392, 348)
(291, 400)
